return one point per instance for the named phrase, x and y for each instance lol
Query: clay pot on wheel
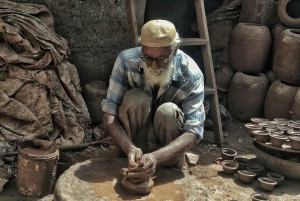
(241, 88)
(250, 46)
(286, 64)
(285, 17)
(279, 100)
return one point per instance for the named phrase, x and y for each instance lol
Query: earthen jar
(295, 111)
(246, 95)
(223, 78)
(286, 64)
(249, 48)
(93, 94)
(276, 36)
(279, 100)
(285, 17)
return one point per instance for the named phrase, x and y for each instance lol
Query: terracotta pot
(266, 183)
(257, 168)
(295, 115)
(243, 162)
(278, 177)
(279, 100)
(285, 17)
(229, 166)
(228, 154)
(261, 135)
(286, 64)
(277, 140)
(259, 197)
(246, 176)
(258, 120)
(276, 37)
(249, 48)
(295, 142)
(251, 127)
(243, 86)
(93, 94)
(271, 76)
(223, 78)
(225, 54)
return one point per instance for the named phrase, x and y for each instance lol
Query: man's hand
(144, 170)
(134, 157)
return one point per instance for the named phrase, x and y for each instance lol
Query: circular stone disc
(100, 179)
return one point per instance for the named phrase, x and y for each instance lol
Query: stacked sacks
(40, 93)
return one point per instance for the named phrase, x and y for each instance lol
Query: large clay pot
(286, 64)
(246, 95)
(295, 115)
(93, 94)
(249, 48)
(279, 100)
(284, 16)
(276, 36)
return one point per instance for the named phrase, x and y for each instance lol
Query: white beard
(160, 76)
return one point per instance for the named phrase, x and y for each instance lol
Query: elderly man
(154, 106)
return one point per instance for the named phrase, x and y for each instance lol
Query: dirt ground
(222, 186)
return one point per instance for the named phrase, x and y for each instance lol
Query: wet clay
(143, 187)
(101, 179)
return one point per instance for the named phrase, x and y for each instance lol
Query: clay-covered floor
(223, 187)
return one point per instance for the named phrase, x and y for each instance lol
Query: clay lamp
(229, 166)
(275, 130)
(278, 177)
(243, 162)
(250, 127)
(285, 120)
(265, 125)
(266, 183)
(259, 197)
(258, 120)
(284, 128)
(293, 133)
(293, 126)
(228, 154)
(277, 140)
(295, 142)
(246, 176)
(261, 135)
(258, 169)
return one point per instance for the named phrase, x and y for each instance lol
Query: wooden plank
(132, 24)
(193, 41)
(209, 91)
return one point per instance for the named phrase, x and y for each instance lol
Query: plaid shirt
(186, 89)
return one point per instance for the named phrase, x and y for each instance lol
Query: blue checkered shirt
(186, 89)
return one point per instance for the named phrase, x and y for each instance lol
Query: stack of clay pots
(266, 67)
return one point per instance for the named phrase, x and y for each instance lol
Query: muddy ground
(222, 186)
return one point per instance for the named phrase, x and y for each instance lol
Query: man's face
(157, 64)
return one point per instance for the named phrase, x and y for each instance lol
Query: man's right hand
(134, 157)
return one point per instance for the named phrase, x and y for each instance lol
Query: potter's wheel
(100, 179)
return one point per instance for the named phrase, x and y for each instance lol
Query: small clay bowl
(284, 128)
(295, 127)
(266, 183)
(295, 142)
(278, 177)
(295, 121)
(265, 125)
(228, 154)
(259, 197)
(285, 120)
(258, 169)
(277, 140)
(246, 176)
(261, 135)
(275, 130)
(243, 162)
(258, 120)
(250, 127)
(229, 166)
(293, 133)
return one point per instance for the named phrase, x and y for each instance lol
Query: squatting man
(154, 105)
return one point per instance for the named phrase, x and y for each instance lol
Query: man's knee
(136, 96)
(169, 111)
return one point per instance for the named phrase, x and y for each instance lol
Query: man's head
(159, 41)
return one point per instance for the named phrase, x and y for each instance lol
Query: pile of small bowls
(280, 131)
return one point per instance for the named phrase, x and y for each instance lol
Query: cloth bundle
(40, 94)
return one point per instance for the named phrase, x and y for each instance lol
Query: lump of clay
(143, 187)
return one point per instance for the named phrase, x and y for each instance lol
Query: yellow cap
(158, 33)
